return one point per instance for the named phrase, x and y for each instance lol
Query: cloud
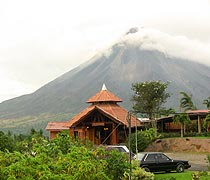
(11, 88)
(176, 46)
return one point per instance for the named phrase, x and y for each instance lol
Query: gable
(113, 112)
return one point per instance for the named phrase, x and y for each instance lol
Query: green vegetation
(138, 173)
(183, 119)
(6, 142)
(206, 123)
(188, 134)
(23, 125)
(149, 97)
(186, 102)
(207, 102)
(33, 157)
(187, 175)
(144, 138)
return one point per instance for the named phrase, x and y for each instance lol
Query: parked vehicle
(157, 161)
(120, 148)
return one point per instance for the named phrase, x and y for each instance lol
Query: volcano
(133, 58)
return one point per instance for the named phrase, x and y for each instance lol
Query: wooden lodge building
(103, 122)
(197, 118)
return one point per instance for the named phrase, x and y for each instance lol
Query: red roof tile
(80, 116)
(56, 126)
(104, 96)
(204, 111)
(113, 111)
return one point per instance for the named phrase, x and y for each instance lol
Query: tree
(149, 97)
(207, 102)
(206, 123)
(167, 112)
(6, 142)
(183, 119)
(186, 102)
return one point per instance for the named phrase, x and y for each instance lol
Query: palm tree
(206, 122)
(186, 102)
(183, 119)
(167, 112)
(207, 102)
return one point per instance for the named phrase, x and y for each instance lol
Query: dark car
(157, 161)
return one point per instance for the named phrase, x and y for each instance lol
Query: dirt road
(198, 161)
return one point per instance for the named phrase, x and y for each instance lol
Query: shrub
(138, 173)
(6, 142)
(169, 135)
(62, 158)
(196, 176)
(117, 164)
(144, 138)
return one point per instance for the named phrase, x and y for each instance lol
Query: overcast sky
(42, 39)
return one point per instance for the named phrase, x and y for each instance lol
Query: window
(75, 134)
(162, 157)
(150, 157)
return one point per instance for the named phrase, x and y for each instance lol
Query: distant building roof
(204, 111)
(56, 126)
(104, 96)
(144, 119)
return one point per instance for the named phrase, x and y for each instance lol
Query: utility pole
(136, 139)
(129, 142)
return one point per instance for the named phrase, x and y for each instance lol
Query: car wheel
(146, 169)
(180, 168)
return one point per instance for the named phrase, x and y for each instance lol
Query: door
(102, 134)
(164, 162)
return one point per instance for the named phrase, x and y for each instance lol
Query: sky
(41, 40)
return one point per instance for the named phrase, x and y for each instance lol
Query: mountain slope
(118, 67)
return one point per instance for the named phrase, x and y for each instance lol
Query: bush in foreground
(62, 158)
(138, 173)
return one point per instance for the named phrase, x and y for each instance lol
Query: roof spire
(104, 87)
(104, 96)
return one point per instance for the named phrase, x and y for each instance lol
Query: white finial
(104, 87)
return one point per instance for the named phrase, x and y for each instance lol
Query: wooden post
(114, 135)
(71, 132)
(199, 124)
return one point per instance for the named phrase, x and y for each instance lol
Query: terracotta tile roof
(204, 111)
(104, 96)
(56, 126)
(119, 113)
(80, 116)
(113, 111)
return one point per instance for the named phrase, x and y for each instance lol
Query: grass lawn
(187, 175)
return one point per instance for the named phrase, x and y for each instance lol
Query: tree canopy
(149, 97)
